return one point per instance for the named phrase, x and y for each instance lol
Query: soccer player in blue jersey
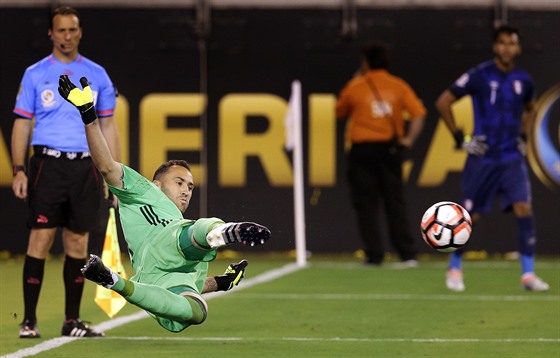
(503, 105)
(67, 189)
(169, 254)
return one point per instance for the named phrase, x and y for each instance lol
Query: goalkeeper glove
(81, 99)
(232, 276)
(476, 145)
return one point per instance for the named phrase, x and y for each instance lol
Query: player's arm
(443, 105)
(100, 153)
(20, 142)
(477, 144)
(414, 129)
(110, 131)
(528, 118)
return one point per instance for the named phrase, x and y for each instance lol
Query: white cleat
(532, 282)
(454, 280)
(247, 233)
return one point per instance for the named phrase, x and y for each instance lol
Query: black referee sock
(33, 271)
(74, 286)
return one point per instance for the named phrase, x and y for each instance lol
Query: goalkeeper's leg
(177, 310)
(200, 240)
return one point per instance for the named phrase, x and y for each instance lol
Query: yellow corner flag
(110, 301)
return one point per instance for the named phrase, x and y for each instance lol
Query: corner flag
(294, 143)
(110, 301)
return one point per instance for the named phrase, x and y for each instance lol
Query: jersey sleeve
(412, 103)
(107, 96)
(25, 100)
(134, 186)
(465, 84)
(342, 107)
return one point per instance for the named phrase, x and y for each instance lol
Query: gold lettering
(121, 116)
(235, 144)
(322, 140)
(5, 163)
(156, 139)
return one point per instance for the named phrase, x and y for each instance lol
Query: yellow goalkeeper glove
(81, 99)
(232, 276)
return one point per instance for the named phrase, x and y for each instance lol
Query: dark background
(261, 51)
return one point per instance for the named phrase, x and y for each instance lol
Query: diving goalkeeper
(169, 254)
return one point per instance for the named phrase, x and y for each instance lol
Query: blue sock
(456, 260)
(527, 240)
(527, 263)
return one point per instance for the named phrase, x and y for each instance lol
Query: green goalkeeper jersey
(152, 223)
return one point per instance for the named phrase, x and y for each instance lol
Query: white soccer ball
(446, 226)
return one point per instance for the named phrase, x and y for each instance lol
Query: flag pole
(295, 127)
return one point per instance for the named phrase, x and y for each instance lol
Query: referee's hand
(81, 99)
(19, 185)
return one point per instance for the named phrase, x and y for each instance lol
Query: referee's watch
(18, 168)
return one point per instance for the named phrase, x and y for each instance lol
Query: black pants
(376, 184)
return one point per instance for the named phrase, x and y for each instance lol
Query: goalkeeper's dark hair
(165, 167)
(505, 29)
(376, 55)
(65, 11)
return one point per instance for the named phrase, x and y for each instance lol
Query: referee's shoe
(78, 328)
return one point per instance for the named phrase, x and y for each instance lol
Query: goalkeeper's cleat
(28, 329)
(454, 280)
(532, 282)
(247, 233)
(78, 328)
(94, 270)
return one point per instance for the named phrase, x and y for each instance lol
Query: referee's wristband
(18, 168)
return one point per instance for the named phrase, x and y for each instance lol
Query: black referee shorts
(64, 193)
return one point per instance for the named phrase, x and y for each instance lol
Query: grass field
(336, 307)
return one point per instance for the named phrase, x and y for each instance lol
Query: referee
(61, 185)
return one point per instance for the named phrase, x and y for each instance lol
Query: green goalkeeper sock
(192, 240)
(164, 303)
(123, 287)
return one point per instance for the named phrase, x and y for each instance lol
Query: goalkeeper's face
(178, 184)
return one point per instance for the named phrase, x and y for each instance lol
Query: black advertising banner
(220, 101)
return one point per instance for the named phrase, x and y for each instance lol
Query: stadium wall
(233, 83)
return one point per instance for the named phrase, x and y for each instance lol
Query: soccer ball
(446, 226)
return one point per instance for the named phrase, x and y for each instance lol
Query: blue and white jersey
(58, 123)
(498, 101)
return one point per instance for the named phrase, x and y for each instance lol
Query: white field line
(339, 339)
(400, 297)
(467, 264)
(113, 323)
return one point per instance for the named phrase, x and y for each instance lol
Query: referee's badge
(47, 98)
(517, 87)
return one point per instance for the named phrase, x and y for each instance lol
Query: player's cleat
(454, 280)
(28, 329)
(78, 328)
(94, 270)
(247, 233)
(532, 282)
